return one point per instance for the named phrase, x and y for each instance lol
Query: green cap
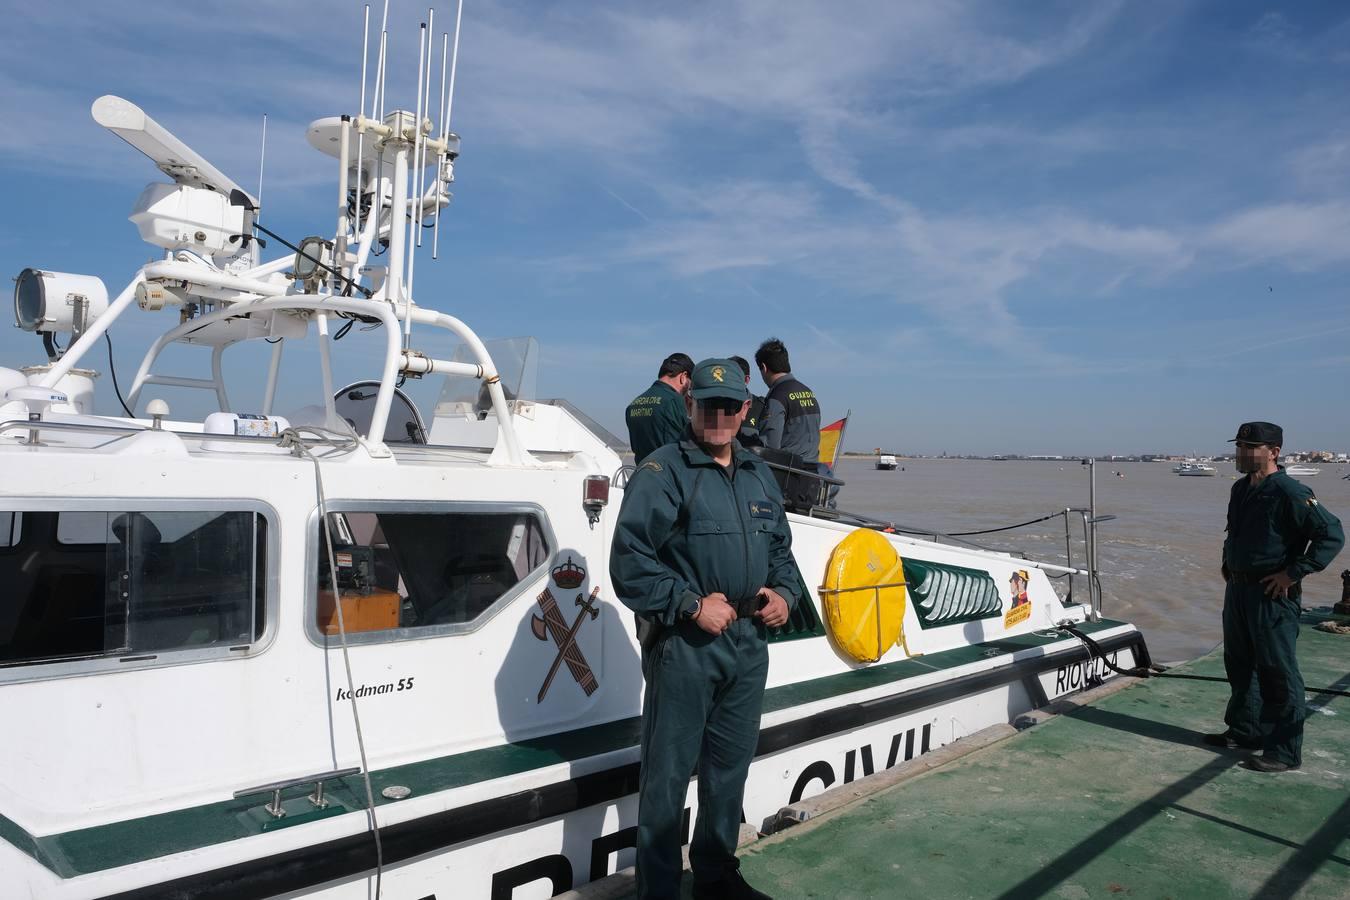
(719, 378)
(1259, 433)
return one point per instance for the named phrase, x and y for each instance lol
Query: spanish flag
(832, 440)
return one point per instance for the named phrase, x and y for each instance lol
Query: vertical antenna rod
(262, 159)
(377, 113)
(446, 100)
(454, 63)
(425, 103)
(361, 111)
(440, 158)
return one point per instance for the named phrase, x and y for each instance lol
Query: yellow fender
(864, 595)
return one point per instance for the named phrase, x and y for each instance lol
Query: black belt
(1251, 577)
(746, 609)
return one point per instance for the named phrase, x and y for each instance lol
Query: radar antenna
(173, 157)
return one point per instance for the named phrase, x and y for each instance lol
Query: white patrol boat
(1194, 469)
(363, 652)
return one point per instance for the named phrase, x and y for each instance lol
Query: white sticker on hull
(1088, 673)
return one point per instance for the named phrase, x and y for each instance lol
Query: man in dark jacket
(702, 551)
(791, 419)
(658, 416)
(1278, 532)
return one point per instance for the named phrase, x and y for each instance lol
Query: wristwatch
(691, 614)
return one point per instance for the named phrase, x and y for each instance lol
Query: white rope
(342, 443)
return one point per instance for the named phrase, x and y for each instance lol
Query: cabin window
(414, 574)
(10, 525)
(129, 584)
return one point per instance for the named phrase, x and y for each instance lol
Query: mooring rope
(1156, 671)
(342, 443)
(1054, 515)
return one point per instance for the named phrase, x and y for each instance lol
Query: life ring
(864, 595)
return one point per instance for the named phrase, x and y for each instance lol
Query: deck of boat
(1113, 798)
(1140, 809)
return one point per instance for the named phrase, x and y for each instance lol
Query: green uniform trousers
(1259, 636)
(701, 707)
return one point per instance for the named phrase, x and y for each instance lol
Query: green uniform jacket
(1279, 524)
(689, 527)
(655, 418)
(749, 433)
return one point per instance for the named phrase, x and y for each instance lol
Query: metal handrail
(12, 424)
(804, 472)
(870, 587)
(90, 428)
(622, 475)
(43, 425)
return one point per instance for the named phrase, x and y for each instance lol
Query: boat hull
(561, 826)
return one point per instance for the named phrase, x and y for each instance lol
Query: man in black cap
(703, 553)
(659, 416)
(1277, 534)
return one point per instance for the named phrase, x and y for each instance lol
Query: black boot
(732, 886)
(1227, 740)
(1266, 764)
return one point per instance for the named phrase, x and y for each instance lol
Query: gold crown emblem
(718, 372)
(569, 575)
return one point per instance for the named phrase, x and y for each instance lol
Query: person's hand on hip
(773, 612)
(715, 614)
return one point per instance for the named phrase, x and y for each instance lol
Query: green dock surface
(1115, 799)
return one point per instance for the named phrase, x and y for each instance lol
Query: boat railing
(1086, 517)
(803, 489)
(398, 360)
(117, 432)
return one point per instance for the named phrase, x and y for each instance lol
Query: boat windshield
(517, 362)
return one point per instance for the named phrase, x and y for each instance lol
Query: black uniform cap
(1260, 433)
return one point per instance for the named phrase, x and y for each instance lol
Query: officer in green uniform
(749, 433)
(1277, 533)
(702, 551)
(658, 416)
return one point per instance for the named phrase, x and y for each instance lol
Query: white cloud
(1324, 166)
(1300, 235)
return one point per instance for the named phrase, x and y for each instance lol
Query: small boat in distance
(886, 462)
(1302, 471)
(1193, 469)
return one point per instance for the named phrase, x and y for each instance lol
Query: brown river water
(1159, 558)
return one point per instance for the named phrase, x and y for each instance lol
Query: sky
(1064, 227)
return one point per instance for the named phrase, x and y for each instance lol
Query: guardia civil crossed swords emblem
(567, 576)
